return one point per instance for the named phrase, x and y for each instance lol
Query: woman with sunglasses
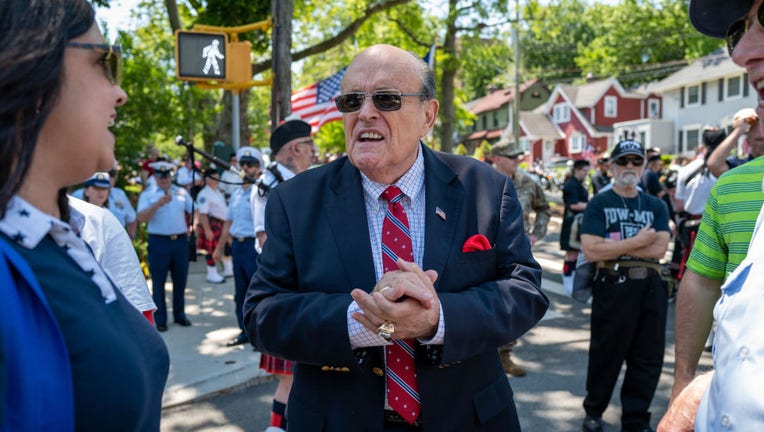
(74, 354)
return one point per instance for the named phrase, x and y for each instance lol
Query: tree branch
(337, 39)
(409, 33)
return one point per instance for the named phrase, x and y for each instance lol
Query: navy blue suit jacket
(318, 250)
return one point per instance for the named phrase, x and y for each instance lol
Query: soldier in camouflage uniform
(531, 196)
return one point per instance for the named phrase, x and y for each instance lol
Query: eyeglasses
(636, 161)
(112, 58)
(352, 102)
(250, 164)
(736, 31)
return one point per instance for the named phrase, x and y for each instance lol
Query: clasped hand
(404, 297)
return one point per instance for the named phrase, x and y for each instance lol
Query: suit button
(326, 368)
(378, 372)
(345, 369)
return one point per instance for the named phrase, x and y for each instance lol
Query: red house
(585, 114)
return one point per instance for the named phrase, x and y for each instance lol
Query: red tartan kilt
(216, 225)
(275, 365)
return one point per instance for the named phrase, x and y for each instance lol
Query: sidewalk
(200, 363)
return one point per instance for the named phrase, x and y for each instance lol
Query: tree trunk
(281, 91)
(225, 128)
(450, 66)
(172, 13)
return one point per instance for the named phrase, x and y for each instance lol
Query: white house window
(611, 106)
(653, 108)
(693, 95)
(734, 87)
(561, 113)
(524, 143)
(576, 143)
(692, 140)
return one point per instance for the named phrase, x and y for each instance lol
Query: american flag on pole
(315, 103)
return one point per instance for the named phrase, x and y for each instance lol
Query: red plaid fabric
(216, 225)
(402, 388)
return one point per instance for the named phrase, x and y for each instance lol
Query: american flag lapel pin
(440, 213)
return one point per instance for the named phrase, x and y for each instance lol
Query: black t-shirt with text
(614, 217)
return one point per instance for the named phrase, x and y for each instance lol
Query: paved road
(549, 398)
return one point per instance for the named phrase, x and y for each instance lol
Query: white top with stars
(412, 185)
(27, 226)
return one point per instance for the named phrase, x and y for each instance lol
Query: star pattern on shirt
(19, 237)
(24, 213)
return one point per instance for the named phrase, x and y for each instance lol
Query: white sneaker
(227, 267)
(213, 276)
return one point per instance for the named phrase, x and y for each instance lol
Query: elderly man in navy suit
(393, 275)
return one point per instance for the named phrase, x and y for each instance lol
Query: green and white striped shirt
(728, 221)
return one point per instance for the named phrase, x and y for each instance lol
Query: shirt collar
(411, 183)
(28, 225)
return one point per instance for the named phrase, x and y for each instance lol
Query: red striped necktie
(402, 388)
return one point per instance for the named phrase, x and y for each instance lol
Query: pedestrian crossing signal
(200, 56)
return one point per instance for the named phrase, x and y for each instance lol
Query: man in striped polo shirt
(720, 246)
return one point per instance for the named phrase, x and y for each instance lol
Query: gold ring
(386, 330)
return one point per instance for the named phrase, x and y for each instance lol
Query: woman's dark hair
(33, 38)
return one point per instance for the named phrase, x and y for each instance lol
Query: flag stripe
(315, 103)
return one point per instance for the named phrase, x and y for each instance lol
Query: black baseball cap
(627, 147)
(714, 17)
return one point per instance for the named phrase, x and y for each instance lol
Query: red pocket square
(478, 242)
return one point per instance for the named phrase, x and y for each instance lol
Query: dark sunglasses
(352, 102)
(736, 31)
(250, 164)
(112, 58)
(636, 161)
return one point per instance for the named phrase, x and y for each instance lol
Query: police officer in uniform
(506, 158)
(164, 207)
(626, 232)
(240, 229)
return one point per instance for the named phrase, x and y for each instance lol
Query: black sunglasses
(636, 161)
(250, 164)
(384, 101)
(736, 31)
(112, 58)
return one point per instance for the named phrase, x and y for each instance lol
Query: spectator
(625, 232)
(74, 353)
(745, 122)
(532, 200)
(575, 198)
(602, 177)
(721, 246)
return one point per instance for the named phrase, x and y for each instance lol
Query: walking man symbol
(212, 54)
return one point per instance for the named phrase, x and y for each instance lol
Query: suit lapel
(443, 201)
(347, 217)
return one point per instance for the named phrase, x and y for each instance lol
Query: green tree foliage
(551, 37)
(635, 40)
(159, 107)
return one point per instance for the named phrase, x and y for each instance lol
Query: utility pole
(516, 97)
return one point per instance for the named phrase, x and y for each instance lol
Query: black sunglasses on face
(250, 164)
(112, 58)
(636, 161)
(736, 31)
(383, 101)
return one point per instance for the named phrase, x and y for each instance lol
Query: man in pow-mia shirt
(625, 232)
